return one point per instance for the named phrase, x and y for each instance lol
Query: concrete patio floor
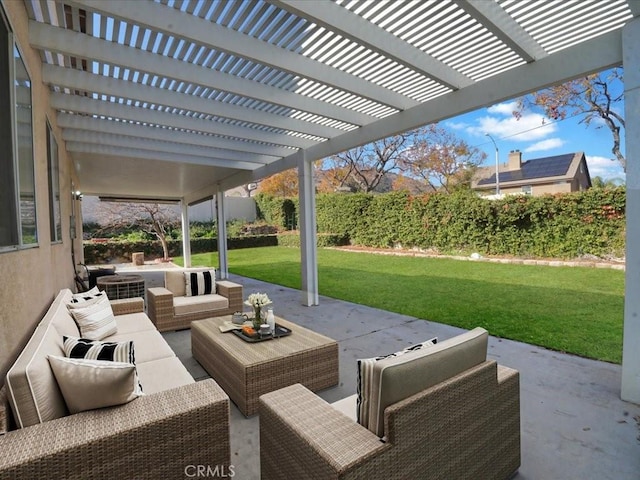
(574, 425)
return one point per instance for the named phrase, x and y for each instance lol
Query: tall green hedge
(278, 211)
(562, 225)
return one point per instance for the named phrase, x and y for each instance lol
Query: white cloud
(548, 144)
(502, 124)
(604, 167)
(506, 108)
(457, 125)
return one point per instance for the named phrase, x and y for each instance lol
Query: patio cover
(182, 100)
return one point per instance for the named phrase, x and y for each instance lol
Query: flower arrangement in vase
(257, 301)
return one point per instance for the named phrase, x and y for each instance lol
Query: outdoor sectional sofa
(176, 425)
(170, 308)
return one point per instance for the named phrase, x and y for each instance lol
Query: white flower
(257, 300)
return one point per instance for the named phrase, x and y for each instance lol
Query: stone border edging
(514, 261)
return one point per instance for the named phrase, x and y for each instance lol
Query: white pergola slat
(194, 29)
(76, 103)
(125, 129)
(75, 44)
(128, 151)
(152, 145)
(216, 94)
(584, 58)
(348, 25)
(88, 82)
(504, 27)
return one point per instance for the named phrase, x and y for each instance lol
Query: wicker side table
(122, 286)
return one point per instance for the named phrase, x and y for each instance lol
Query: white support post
(186, 235)
(308, 239)
(630, 390)
(223, 264)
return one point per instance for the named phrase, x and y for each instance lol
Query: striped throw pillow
(367, 387)
(84, 299)
(95, 350)
(200, 283)
(96, 321)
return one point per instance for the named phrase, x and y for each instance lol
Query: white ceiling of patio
(171, 99)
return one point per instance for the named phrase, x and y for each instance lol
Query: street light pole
(497, 164)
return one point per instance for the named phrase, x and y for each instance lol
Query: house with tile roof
(557, 174)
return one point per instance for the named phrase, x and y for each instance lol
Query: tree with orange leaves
(442, 160)
(283, 184)
(593, 97)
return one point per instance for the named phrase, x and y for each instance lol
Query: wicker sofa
(176, 423)
(464, 426)
(171, 309)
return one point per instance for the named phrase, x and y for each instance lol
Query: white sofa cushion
(89, 384)
(395, 378)
(348, 406)
(32, 389)
(201, 303)
(150, 345)
(134, 322)
(163, 374)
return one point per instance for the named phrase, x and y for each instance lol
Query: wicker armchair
(465, 427)
(161, 306)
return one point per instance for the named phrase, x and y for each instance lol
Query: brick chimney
(515, 160)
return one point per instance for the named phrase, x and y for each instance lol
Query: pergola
(181, 100)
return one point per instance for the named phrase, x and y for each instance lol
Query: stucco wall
(540, 189)
(30, 278)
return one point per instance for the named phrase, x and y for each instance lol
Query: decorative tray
(280, 332)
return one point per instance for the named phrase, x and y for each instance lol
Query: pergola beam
(349, 25)
(82, 147)
(584, 58)
(74, 44)
(103, 125)
(141, 143)
(92, 83)
(172, 22)
(78, 104)
(500, 24)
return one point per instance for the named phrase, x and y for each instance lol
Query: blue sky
(537, 139)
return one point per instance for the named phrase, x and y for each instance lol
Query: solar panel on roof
(534, 169)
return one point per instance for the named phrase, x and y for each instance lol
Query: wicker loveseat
(171, 309)
(176, 423)
(465, 426)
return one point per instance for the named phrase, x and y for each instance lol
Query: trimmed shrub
(563, 225)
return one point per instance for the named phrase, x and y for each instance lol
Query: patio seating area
(573, 423)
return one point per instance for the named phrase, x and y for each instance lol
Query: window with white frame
(55, 219)
(18, 222)
(526, 189)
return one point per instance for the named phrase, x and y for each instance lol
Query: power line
(551, 122)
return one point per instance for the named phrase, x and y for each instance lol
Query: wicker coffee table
(247, 370)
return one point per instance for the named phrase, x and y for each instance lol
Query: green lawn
(569, 309)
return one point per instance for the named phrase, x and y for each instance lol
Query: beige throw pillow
(96, 321)
(367, 387)
(89, 384)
